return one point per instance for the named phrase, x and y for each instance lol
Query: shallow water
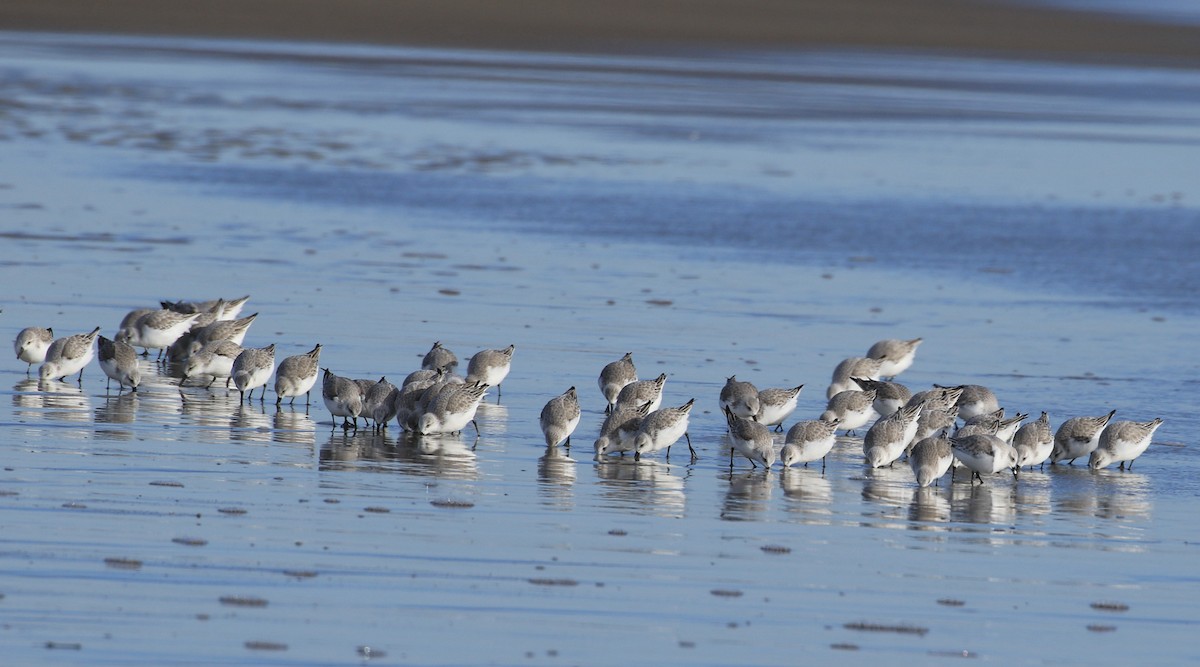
(715, 214)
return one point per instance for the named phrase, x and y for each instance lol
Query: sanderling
(776, 405)
(214, 360)
(898, 355)
(750, 439)
(641, 392)
(975, 400)
(853, 367)
(425, 375)
(661, 428)
(613, 378)
(232, 330)
(31, 345)
(439, 357)
(230, 308)
(930, 458)
(297, 375)
(619, 429)
(132, 317)
(1078, 436)
(987, 423)
(409, 396)
(67, 355)
(252, 368)
(342, 398)
(809, 440)
(1123, 441)
(119, 362)
(380, 402)
(889, 396)
(888, 437)
(932, 421)
(1034, 442)
(559, 418)
(453, 409)
(157, 330)
(490, 367)
(984, 453)
(740, 397)
(938, 398)
(852, 409)
(427, 397)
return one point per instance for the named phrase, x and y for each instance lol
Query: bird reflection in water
(641, 487)
(444, 456)
(556, 478)
(748, 495)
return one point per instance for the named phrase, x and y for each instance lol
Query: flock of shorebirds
(206, 339)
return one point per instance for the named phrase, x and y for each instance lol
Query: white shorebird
(559, 418)
(930, 458)
(853, 367)
(380, 403)
(776, 404)
(975, 399)
(889, 396)
(214, 360)
(898, 355)
(1034, 442)
(642, 392)
(887, 438)
(157, 330)
(852, 408)
(1078, 436)
(983, 453)
(613, 378)
(808, 441)
(297, 375)
(750, 439)
(1123, 442)
(490, 367)
(232, 330)
(251, 370)
(439, 356)
(31, 345)
(342, 398)
(69, 355)
(619, 429)
(453, 409)
(740, 398)
(119, 362)
(662, 428)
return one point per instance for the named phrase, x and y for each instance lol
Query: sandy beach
(634, 25)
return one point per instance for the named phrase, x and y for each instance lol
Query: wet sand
(716, 215)
(968, 27)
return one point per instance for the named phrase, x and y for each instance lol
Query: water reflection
(556, 478)
(51, 400)
(492, 418)
(443, 456)
(116, 409)
(888, 486)
(929, 506)
(641, 487)
(294, 427)
(251, 423)
(748, 495)
(207, 409)
(1110, 494)
(993, 502)
(807, 493)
